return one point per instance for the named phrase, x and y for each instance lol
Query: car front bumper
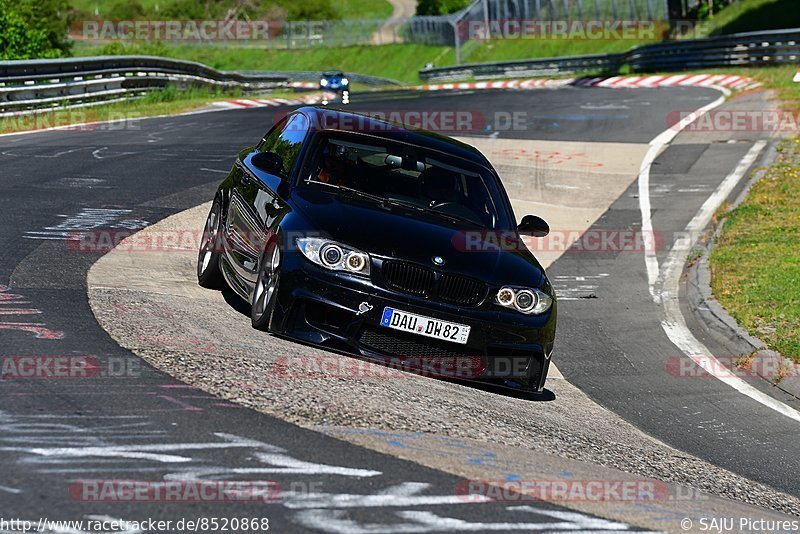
(343, 312)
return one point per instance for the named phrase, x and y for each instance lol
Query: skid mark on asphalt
(73, 226)
(113, 445)
(512, 475)
(8, 306)
(578, 287)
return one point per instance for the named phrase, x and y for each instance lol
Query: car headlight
(345, 81)
(334, 256)
(524, 300)
(323, 82)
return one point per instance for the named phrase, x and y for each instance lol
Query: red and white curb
(304, 85)
(509, 84)
(621, 82)
(740, 83)
(691, 80)
(244, 103)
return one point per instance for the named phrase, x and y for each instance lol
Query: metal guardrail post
(457, 39)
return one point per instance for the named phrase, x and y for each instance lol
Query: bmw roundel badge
(438, 260)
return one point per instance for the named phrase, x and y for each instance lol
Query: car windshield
(412, 177)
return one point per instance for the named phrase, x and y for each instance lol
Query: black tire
(209, 274)
(266, 290)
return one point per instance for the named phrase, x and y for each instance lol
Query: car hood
(400, 233)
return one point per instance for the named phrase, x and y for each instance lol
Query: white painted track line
(656, 146)
(674, 323)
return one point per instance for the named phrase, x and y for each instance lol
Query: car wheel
(266, 290)
(208, 271)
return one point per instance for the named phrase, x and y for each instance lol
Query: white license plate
(425, 326)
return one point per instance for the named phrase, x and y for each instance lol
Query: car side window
(271, 139)
(287, 141)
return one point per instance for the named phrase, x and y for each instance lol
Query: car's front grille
(408, 277)
(461, 290)
(399, 344)
(422, 281)
(419, 356)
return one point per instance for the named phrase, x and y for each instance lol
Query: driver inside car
(438, 186)
(336, 168)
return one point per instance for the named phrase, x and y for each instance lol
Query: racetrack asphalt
(126, 177)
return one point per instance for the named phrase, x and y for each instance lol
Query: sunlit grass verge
(401, 62)
(755, 268)
(170, 101)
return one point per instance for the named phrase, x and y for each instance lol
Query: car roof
(333, 73)
(327, 119)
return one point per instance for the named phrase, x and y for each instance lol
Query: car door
(256, 205)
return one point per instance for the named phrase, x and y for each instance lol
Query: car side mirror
(269, 162)
(536, 226)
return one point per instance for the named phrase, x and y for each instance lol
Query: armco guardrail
(752, 49)
(29, 86)
(743, 49)
(314, 76)
(32, 85)
(527, 67)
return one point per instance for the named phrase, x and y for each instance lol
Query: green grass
(752, 15)
(362, 9)
(398, 62)
(755, 269)
(777, 78)
(344, 9)
(500, 50)
(402, 62)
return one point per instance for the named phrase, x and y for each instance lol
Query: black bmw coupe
(399, 245)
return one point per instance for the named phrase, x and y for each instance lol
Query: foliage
(440, 7)
(236, 9)
(31, 29)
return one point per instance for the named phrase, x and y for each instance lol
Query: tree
(17, 39)
(440, 7)
(31, 29)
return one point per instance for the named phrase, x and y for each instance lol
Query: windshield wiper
(355, 191)
(383, 201)
(452, 217)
